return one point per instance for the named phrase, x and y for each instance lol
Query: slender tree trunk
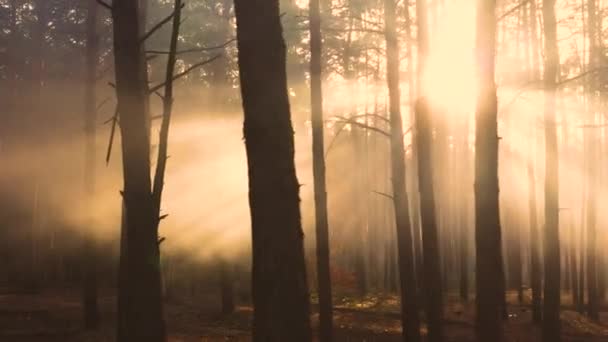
(591, 142)
(535, 273)
(464, 215)
(574, 267)
(91, 311)
(551, 303)
(227, 287)
(409, 301)
(318, 154)
(280, 289)
(433, 288)
(489, 270)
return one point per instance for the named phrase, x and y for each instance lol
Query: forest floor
(53, 316)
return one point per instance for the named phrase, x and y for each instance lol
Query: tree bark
(91, 311)
(535, 272)
(551, 304)
(489, 270)
(432, 284)
(280, 289)
(409, 302)
(141, 284)
(320, 189)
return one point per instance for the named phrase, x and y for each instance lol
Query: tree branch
(104, 4)
(200, 49)
(384, 195)
(512, 10)
(112, 134)
(579, 76)
(160, 24)
(362, 125)
(183, 73)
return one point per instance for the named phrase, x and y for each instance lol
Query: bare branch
(102, 103)
(384, 195)
(200, 49)
(370, 115)
(364, 126)
(160, 24)
(112, 133)
(579, 76)
(593, 126)
(104, 4)
(512, 10)
(184, 73)
(333, 140)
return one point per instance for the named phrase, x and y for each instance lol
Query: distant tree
(551, 304)
(91, 310)
(535, 239)
(280, 289)
(409, 302)
(489, 270)
(318, 155)
(591, 142)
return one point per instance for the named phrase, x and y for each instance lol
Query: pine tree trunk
(431, 258)
(226, 287)
(320, 190)
(551, 304)
(535, 272)
(280, 289)
(409, 301)
(489, 270)
(143, 312)
(574, 268)
(91, 311)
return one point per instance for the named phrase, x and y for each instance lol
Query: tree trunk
(141, 285)
(551, 303)
(318, 155)
(535, 273)
(226, 287)
(91, 311)
(574, 267)
(489, 270)
(409, 302)
(432, 284)
(280, 289)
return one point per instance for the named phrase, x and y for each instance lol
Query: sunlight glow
(449, 80)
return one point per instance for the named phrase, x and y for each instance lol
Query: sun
(449, 77)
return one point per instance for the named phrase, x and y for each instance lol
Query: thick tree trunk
(91, 311)
(409, 302)
(551, 322)
(318, 155)
(141, 286)
(489, 270)
(280, 289)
